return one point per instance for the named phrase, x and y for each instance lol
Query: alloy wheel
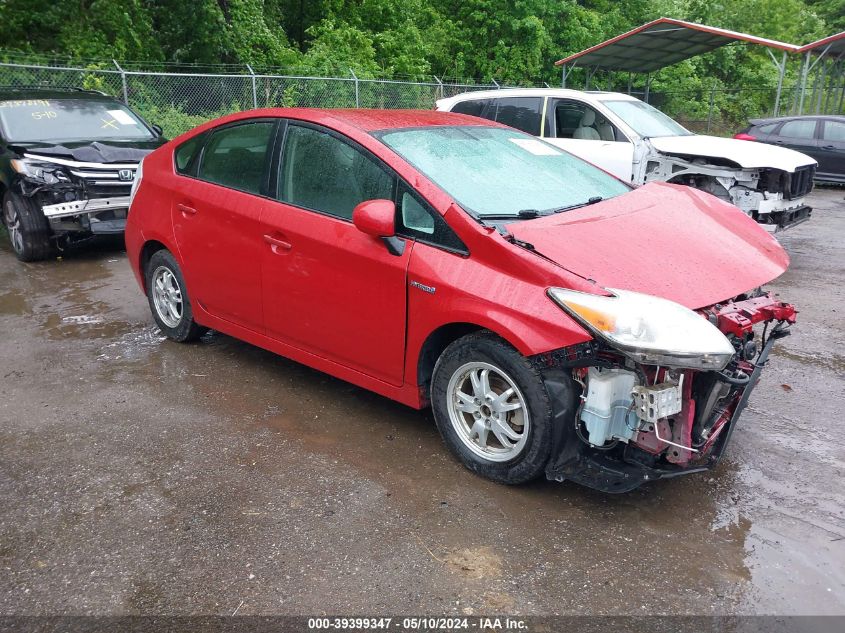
(13, 225)
(488, 411)
(167, 296)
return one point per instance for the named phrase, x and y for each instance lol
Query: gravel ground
(139, 476)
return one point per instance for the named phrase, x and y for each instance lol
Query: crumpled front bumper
(625, 468)
(80, 207)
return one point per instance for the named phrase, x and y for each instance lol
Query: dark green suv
(67, 163)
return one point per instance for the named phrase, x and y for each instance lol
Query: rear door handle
(277, 244)
(829, 147)
(186, 210)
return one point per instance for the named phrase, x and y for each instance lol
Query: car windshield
(498, 172)
(57, 120)
(645, 120)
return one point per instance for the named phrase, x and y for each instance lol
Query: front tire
(29, 231)
(492, 409)
(168, 299)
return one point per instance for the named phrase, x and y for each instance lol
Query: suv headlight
(650, 330)
(49, 173)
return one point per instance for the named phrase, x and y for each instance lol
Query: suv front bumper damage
(78, 207)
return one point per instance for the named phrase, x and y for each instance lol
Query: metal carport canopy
(661, 43)
(833, 45)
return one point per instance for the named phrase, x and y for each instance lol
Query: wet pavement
(142, 476)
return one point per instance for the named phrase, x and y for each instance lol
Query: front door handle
(829, 147)
(277, 244)
(186, 210)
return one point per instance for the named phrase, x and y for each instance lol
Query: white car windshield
(646, 120)
(500, 173)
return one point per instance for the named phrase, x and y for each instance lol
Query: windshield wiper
(523, 214)
(592, 200)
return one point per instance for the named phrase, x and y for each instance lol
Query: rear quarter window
(522, 113)
(472, 107)
(187, 154)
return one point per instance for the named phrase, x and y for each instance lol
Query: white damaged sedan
(639, 144)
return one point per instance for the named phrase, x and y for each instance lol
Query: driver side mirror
(375, 217)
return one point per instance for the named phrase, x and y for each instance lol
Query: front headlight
(49, 173)
(650, 330)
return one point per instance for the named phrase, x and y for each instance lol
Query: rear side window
(834, 131)
(323, 173)
(523, 113)
(800, 128)
(187, 155)
(472, 107)
(237, 156)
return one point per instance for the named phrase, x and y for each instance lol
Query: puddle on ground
(831, 361)
(14, 302)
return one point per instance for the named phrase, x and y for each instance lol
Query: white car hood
(747, 154)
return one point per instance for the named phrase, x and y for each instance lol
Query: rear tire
(29, 231)
(492, 409)
(168, 299)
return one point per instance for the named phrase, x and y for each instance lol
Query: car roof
(594, 95)
(365, 120)
(779, 119)
(13, 93)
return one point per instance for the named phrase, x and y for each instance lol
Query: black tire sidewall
(34, 227)
(487, 347)
(187, 329)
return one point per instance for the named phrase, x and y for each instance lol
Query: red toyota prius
(556, 320)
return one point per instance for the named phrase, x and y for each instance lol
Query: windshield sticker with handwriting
(121, 117)
(23, 103)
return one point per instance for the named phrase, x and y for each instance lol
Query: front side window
(577, 120)
(497, 173)
(323, 173)
(63, 120)
(237, 156)
(417, 221)
(800, 128)
(645, 120)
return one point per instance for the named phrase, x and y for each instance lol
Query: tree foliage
(512, 41)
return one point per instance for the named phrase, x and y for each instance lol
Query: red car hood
(665, 240)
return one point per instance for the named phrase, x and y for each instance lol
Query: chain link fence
(179, 101)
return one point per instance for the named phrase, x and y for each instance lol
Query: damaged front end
(770, 196)
(625, 418)
(78, 199)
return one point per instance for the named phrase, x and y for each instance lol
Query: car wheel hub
(167, 296)
(13, 225)
(488, 411)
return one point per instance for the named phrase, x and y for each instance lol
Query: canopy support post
(804, 71)
(781, 66)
